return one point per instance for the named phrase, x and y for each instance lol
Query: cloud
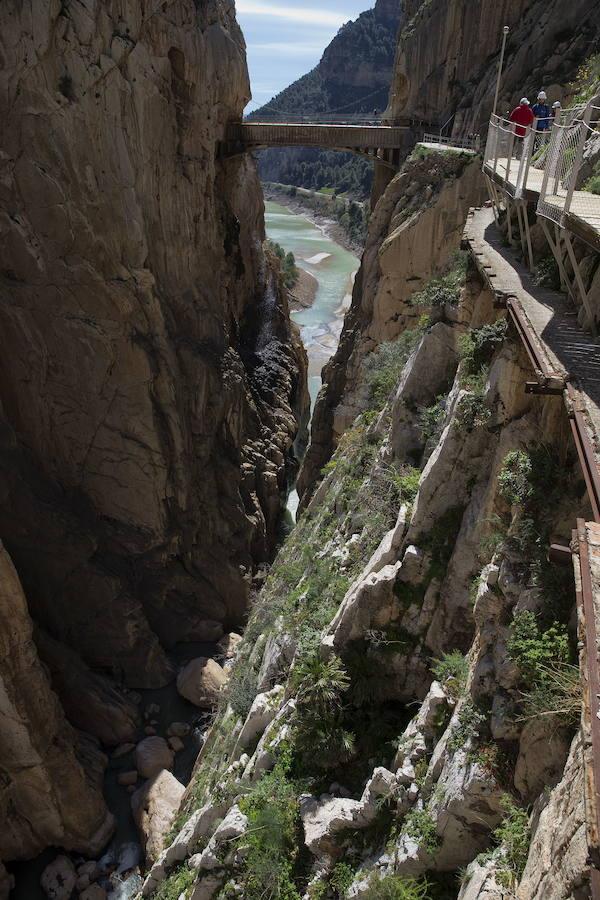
(293, 13)
(288, 49)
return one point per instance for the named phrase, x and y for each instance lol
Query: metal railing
(273, 118)
(468, 143)
(547, 162)
(561, 193)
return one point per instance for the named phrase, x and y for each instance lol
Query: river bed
(335, 269)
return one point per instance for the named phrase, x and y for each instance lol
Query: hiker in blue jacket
(542, 112)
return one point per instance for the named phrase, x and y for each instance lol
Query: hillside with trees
(353, 76)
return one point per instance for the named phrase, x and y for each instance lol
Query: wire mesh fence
(561, 192)
(547, 161)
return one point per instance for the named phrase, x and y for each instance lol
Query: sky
(286, 40)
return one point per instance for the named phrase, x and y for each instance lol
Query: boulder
(151, 755)
(262, 712)
(154, 806)
(228, 645)
(59, 878)
(233, 826)
(543, 751)
(201, 682)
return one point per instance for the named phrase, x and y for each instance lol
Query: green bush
(533, 650)
(289, 269)
(177, 882)
(319, 728)
(420, 826)
(384, 366)
(513, 835)
(469, 727)
(451, 671)
(556, 693)
(272, 839)
(478, 346)
(447, 288)
(242, 689)
(514, 480)
(430, 420)
(340, 879)
(394, 887)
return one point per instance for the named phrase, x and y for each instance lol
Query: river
(334, 268)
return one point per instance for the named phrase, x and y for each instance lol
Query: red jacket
(523, 116)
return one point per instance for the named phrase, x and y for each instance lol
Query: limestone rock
(46, 798)
(151, 755)
(262, 712)
(222, 844)
(557, 866)
(90, 701)
(201, 682)
(58, 879)
(228, 646)
(130, 409)
(543, 750)
(154, 807)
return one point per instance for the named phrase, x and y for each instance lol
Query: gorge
(391, 700)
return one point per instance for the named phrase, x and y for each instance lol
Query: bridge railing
(521, 155)
(468, 143)
(559, 195)
(335, 119)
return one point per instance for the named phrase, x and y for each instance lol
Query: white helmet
(524, 101)
(542, 95)
(557, 105)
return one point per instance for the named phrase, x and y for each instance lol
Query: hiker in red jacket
(522, 116)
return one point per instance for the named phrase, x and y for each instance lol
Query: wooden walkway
(566, 353)
(383, 142)
(583, 218)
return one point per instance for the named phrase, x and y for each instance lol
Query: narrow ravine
(334, 268)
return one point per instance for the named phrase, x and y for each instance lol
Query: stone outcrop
(154, 806)
(201, 682)
(148, 401)
(152, 755)
(414, 230)
(45, 795)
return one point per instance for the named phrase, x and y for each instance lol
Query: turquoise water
(334, 268)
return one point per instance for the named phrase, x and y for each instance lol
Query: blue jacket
(544, 113)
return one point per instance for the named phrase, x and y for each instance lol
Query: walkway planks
(565, 349)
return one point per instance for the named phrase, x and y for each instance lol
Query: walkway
(563, 355)
(383, 141)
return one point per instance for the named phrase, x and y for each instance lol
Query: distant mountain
(353, 76)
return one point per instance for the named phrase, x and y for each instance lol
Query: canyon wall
(151, 383)
(444, 74)
(448, 51)
(385, 708)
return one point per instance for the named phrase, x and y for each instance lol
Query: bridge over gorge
(384, 140)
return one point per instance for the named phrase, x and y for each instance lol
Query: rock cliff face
(383, 705)
(446, 65)
(414, 230)
(149, 390)
(43, 782)
(151, 384)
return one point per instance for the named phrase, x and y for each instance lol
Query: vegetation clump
(289, 269)
(451, 671)
(385, 365)
(395, 887)
(513, 837)
(447, 288)
(553, 686)
(420, 826)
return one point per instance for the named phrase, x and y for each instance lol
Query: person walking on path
(542, 113)
(522, 117)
